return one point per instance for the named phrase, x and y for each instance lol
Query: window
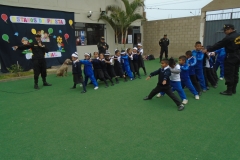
(88, 33)
(130, 32)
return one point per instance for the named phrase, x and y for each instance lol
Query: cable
(170, 9)
(175, 3)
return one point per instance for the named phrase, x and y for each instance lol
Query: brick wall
(182, 33)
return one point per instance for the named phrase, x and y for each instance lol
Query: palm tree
(120, 20)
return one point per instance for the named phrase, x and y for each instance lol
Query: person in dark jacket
(164, 43)
(77, 72)
(118, 66)
(38, 59)
(140, 58)
(163, 84)
(232, 61)
(102, 46)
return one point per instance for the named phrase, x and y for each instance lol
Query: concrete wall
(80, 8)
(182, 33)
(221, 5)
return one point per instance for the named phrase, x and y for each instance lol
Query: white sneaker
(96, 88)
(185, 101)
(197, 97)
(221, 78)
(159, 95)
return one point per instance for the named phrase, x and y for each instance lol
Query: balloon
(50, 30)
(5, 37)
(70, 22)
(54, 36)
(30, 40)
(60, 31)
(66, 36)
(4, 17)
(33, 31)
(16, 34)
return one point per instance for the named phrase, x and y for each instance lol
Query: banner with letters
(18, 27)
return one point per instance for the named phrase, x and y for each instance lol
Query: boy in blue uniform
(88, 71)
(191, 61)
(163, 84)
(185, 79)
(199, 55)
(221, 54)
(77, 72)
(126, 66)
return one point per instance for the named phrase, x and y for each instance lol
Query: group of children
(194, 70)
(105, 67)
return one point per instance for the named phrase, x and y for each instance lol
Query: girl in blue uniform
(126, 66)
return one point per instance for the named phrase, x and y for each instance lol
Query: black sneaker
(139, 77)
(83, 91)
(117, 82)
(181, 107)
(36, 86)
(73, 88)
(200, 93)
(146, 98)
(112, 84)
(106, 86)
(226, 93)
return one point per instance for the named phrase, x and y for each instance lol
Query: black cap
(227, 26)
(165, 34)
(102, 38)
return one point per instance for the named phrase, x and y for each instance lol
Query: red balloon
(66, 36)
(4, 17)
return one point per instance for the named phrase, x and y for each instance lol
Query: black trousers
(195, 83)
(39, 67)
(167, 90)
(231, 70)
(164, 50)
(209, 76)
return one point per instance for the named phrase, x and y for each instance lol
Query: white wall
(80, 8)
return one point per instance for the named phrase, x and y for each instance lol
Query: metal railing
(223, 16)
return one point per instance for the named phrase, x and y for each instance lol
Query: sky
(176, 8)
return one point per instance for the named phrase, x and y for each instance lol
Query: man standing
(102, 46)
(163, 43)
(232, 60)
(38, 59)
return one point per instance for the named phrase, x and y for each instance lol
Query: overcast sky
(175, 8)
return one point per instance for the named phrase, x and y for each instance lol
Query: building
(88, 29)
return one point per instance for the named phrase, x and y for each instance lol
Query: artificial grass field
(115, 123)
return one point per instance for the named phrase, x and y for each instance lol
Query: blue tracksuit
(175, 82)
(126, 66)
(199, 68)
(185, 79)
(88, 71)
(192, 62)
(221, 54)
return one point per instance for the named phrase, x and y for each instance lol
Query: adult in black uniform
(231, 43)
(38, 59)
(163, 43)
(102, 46)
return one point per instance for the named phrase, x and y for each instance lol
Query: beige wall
(221, 5)
(80, 8)
(182, 33)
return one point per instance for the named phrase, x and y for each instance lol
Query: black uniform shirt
(100, 47)
(163, 74)
(76, 68)
(231, 43)
(38, 52)
(164, 42)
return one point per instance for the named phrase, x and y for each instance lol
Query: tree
(120, 20)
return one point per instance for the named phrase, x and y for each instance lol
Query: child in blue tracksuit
(221, 54)
(191, 61)
(199, 55)
(88, 71)
(175, 81)
(126, 66)
(185, 79)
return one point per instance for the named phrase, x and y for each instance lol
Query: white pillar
(202, 26)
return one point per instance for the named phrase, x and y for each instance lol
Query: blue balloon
(16, 34)
(60, 31)
(54, 36)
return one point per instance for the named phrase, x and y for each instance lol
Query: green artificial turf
(115, 123)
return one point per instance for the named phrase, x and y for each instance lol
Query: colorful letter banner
(37, 20)
(47, 55)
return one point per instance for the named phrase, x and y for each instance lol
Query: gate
(214, 24)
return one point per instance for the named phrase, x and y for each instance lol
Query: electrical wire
(172, 3)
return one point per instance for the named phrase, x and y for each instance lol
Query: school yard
(115, 123)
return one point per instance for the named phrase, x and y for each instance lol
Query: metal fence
(223, 16)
